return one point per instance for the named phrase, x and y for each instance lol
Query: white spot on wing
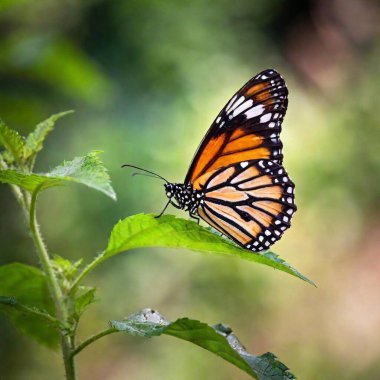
(244, 164)
(231, 102)
(236, 104)
(243, 107)
(218, 119)
(255, 111)
(265, 118)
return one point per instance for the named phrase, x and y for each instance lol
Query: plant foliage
(145, 230)
(87, 170)
(34, 141)
(218, 339)
(47, 304)
(13, 143)
(25, 298)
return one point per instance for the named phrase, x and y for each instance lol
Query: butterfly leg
(158, 216)
(194, 216)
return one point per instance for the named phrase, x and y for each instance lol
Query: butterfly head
(182, 196)
(170, 190)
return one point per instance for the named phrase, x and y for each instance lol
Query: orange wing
(251, 202)
(247, 128)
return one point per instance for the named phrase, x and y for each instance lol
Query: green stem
(20, 197)
(54, 287)
(92, 339)
(85, 272)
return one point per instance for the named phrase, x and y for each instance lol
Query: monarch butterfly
(236, 182)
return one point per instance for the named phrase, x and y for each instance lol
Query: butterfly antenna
(144, 170)
(145, 175)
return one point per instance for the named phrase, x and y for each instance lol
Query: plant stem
(54, 287)
(86, 271)
(92, 339)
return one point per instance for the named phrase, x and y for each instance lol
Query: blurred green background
(146, 79)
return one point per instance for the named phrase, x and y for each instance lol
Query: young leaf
(144, 230)
(82, 301)
(219, 340)
(65, 268)
(28, 286)
(13, 143)
(87, 170)
(34, 141)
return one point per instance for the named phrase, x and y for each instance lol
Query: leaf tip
(112, 195)
(64, 113)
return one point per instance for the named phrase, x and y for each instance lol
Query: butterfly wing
(247, 128)
(251, 202)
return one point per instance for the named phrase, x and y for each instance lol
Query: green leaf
(28, 181)
(34, 141)
(29, 311)
(266, 365)
(24, 287)
(13, 143)
(64, 267)
(219, 340)
(87, 170)
(144, 230)
(82, 301)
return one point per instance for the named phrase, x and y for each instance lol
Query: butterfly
(236, 182)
